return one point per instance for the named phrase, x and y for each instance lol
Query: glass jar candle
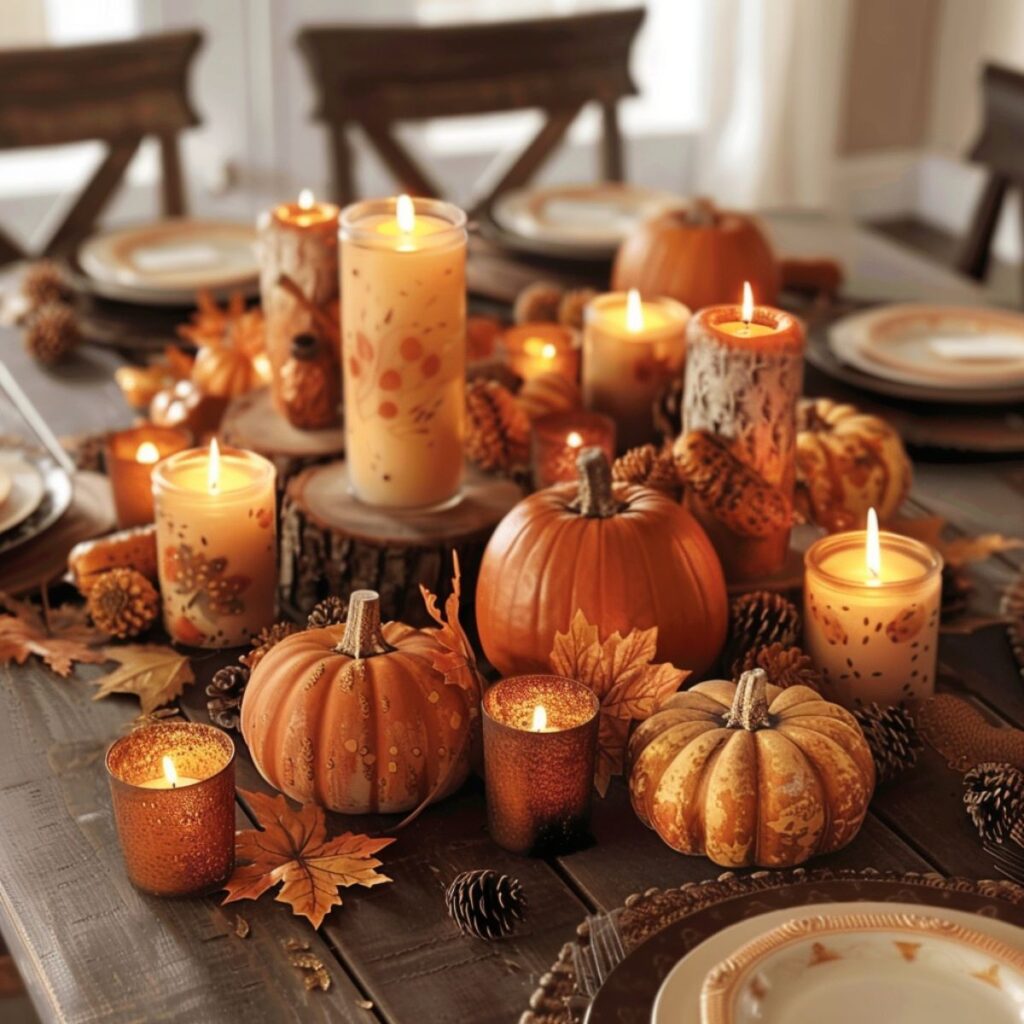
(129, 457)
(532, 349)
(558, 439)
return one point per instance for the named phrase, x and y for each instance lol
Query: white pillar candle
(403, 315)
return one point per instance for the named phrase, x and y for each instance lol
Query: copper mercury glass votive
(540, 743)
(559, 437)
(178, 839)
(130, 456)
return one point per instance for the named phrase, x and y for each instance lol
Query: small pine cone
(45, 282)
(497, 427)
(668, 410)
(225, 690)
(650, 467)
(264, 640)
(994, 798)
(485, 904)
(331, 611)
(758, 620)
(52, 333)
(537, 303)
(892, 736)
(123, 603)
(784, 666)
(571, 306)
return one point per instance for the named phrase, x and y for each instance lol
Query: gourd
(547, 393)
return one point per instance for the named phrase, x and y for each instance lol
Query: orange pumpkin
(627, 556)
(184, 405)
(751, 774)
(699, 255)
(547, 393)
(225, 371)
(355, 718)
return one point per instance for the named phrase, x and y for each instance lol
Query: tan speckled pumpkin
(751, 774)
(846, 462)
(355, 718)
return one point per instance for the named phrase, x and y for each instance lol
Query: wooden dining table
(91, 948)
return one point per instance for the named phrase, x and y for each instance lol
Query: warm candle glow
(170, 772)
(213, 468)
(873, 549)
(540, 719)
(306, 199)
(405, 214)
(748, 303)
(147, 453)
(634, 312)
(575, 439)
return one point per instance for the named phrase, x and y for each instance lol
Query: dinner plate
(5, 486)
(24, 489)
(54, 502)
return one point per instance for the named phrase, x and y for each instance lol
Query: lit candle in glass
(871, 615)
(129, 458)
(631, 348)
(403, 313)
(535, 348)
(558, 439)
(216, 538)
(540, 742)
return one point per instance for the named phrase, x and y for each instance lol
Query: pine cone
(123, 603)
(994, 798)
(650, 467)
(331, 611)
(52, 333)
(571, 306)
(264, 640)
(785, 666)
(45, 282)
(497, 428)
(892, 737)
(485, 904)
(758, 620)
(537, 303)
(225, 690)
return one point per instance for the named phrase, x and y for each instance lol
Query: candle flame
(540, 719)
(575, 439)
(405, 214)
(306, 199)
(170, 772)
(213, 467)
(549, 351)
(634, 311)
(873, 549)
(147, 453)
(748, 303)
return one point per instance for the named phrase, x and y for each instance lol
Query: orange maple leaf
(293, 850)
(620, 672)
(60, 639)
(956, 551)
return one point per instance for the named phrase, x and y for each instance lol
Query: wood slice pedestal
(331, 543)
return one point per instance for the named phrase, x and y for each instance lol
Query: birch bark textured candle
(871, 615)
(216, 535)
(129, 458)
(744, 374)
(403, 313)
(631, 349)
(173, 792)
(540, 741)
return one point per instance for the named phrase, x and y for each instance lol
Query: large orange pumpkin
(751, 774)
(627, 556)
(354, 717)
(699, 255)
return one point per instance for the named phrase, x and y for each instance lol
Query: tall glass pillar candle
(403, 317)
(631, 349)
(216, 536)
(744, 374)
(300, 241)
(871, 615)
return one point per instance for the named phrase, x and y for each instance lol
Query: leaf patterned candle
(403, 314)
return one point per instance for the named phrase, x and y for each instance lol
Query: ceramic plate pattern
(24, 489)
(56, 497)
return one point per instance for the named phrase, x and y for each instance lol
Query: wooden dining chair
(115, 93)
(372, 77)
(1000, 148)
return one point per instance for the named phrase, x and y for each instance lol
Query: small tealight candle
(173, 792)
(129, 458)
(531, 349)
(631, 348)
(540, 742)
(871, 615)
(558, 439)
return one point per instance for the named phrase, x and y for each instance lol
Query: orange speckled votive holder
(540, 742)
(176, 841)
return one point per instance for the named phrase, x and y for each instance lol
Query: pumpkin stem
(750, 704)
(363, 637)
(701, 212)
(594, 498)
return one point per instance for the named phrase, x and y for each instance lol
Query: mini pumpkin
(847, 461)
(751, 774)
(225, 371)
(547, 393)
(355, 718)
(627, 556)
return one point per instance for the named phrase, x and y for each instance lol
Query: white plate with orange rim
(850, 968)
(25, 489)
(679, 998)
(951, 348)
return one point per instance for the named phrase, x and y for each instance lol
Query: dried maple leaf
(959, 551)
(620, 672)
(154, 673)
(458, 663)
(60, 639)
(293, 850)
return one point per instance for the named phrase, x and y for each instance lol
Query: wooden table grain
(92, 948)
